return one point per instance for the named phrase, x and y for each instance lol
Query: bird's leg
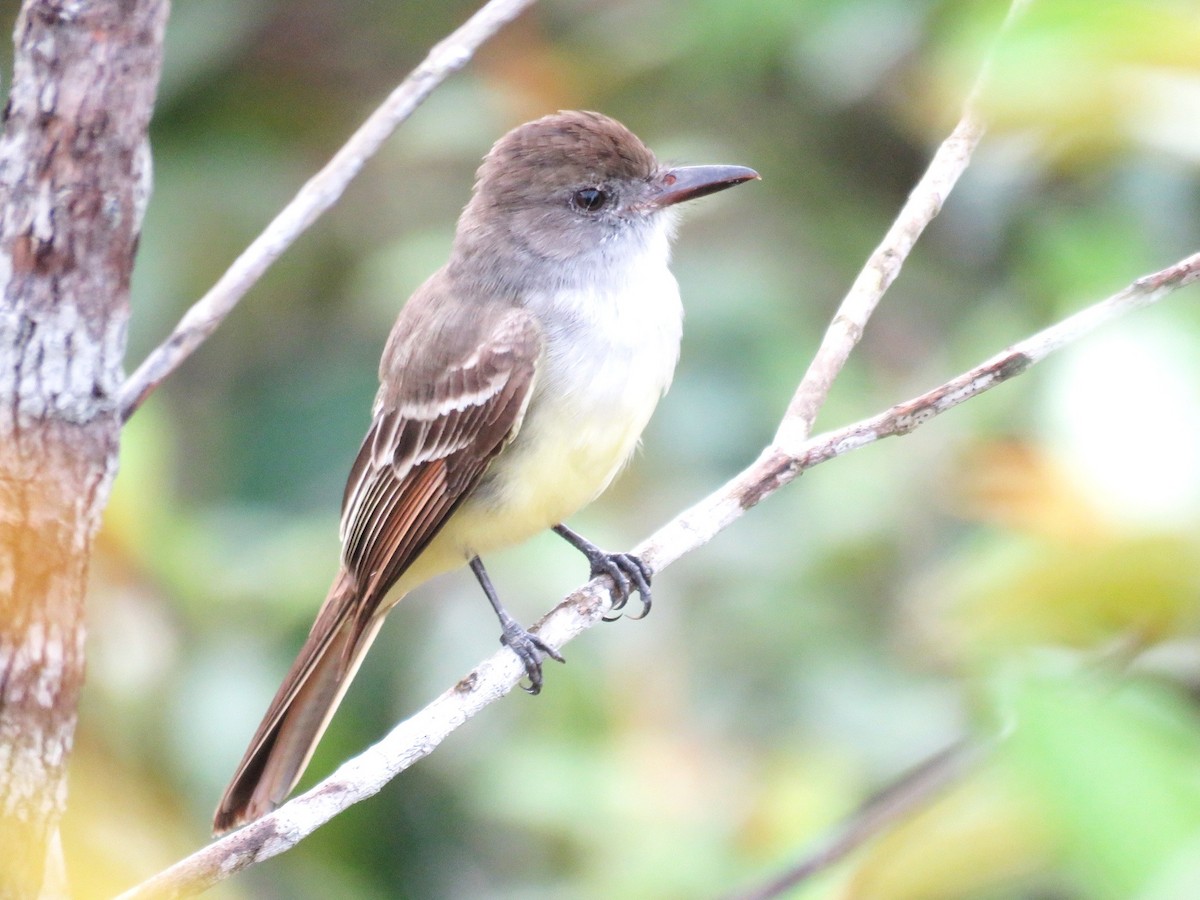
(525, 644)
(628, 572)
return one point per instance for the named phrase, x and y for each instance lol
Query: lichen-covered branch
(72, 183)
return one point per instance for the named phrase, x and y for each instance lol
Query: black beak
(689, 182)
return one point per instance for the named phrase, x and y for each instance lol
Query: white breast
(611, 349)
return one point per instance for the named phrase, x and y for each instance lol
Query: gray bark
(72, 189)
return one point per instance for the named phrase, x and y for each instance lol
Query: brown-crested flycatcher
(514, 386)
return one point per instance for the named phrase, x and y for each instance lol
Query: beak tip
(690, 182)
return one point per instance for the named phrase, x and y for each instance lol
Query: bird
(514, 386)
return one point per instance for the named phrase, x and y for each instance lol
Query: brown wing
(442, 415)
(456, 379)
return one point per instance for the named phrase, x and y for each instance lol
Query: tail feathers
(301, 710)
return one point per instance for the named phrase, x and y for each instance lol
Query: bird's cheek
(559, 235)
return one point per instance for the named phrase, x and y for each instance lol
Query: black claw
(529, 647)
(629, 573)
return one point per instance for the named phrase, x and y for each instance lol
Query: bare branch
(884, 264)
(907, 416)
(317, 195)
(416, 737)
(355, 780)
(901, 798)
(420, 734)
(791, 453)
(775, 468)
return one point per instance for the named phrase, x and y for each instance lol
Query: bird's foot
(529, 647)
(629, 573)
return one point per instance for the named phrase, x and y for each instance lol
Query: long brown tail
(302, 708)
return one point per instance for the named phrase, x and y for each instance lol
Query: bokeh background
(1028, 564)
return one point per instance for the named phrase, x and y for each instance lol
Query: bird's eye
(589, 199)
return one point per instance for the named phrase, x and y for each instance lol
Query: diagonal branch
(417, 736)
(775, 467)
(884, 264)
(317, 195)
(901, 798)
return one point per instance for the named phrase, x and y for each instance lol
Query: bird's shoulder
(456, 337)
(455, 380)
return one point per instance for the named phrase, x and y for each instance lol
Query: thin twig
(904, 796)
(884, 264)
(317, 195)
(420, 734)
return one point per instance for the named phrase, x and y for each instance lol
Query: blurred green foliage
(1001, 567)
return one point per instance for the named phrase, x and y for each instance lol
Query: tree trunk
(73, 185)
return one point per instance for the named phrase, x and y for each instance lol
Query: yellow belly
(598, 381)
(568, 451)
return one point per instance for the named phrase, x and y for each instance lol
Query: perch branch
(417, 736)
